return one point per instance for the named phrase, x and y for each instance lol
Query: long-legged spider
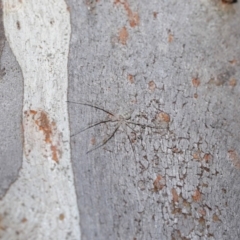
(121, 120)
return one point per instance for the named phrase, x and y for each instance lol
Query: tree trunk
(153, 92)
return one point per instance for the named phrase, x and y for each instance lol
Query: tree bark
(165, 77)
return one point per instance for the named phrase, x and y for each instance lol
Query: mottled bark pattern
(176, 65)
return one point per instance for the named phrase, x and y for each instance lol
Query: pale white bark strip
(41, 204)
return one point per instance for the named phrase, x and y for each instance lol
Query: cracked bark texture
(171, 62)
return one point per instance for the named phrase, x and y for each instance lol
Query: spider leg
(142, 125)
(91, 105)
(130, 142)
(92, 125)
(130, 127)
(106, 140)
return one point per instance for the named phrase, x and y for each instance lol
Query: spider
(121, 120)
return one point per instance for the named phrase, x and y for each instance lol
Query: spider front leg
(93, 106)
(106, 140)
(92, 125)
(129, 139)
(143, 125)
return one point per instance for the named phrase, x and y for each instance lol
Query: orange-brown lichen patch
(55, 153)
(170, 37)
(123, 36)
(207, 157)
(133, 17)
(163, 117)
(196, 156)
(152, 86)
(38, 121)
(233, 82)
(233, 156)
(175, 196)
(158, 183)
(155, 14)
(195, 82)
(61, 216)
(24, 220)
(196, 196)
(33, 112)
(45, 126)
(131, 78)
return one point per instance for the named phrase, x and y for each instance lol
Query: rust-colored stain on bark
(155, 14)
(196, 196)
(158, 183)
(207, 157)
(233, 82)
(170, 36)
(123, 36)
(195, 82)
(31, 112)
(175, 196)
(45, 126)
(48, 127)
(131, 78)
(24, 220)
(55, 153)
(234, 157)
(152, 86)
(163, 117)
(196, 156)
(133, 17)
(61, 216)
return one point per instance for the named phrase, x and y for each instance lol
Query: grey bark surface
(11, 95)
(173, 65)
(173, 57)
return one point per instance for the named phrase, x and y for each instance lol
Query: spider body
(122, 120)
